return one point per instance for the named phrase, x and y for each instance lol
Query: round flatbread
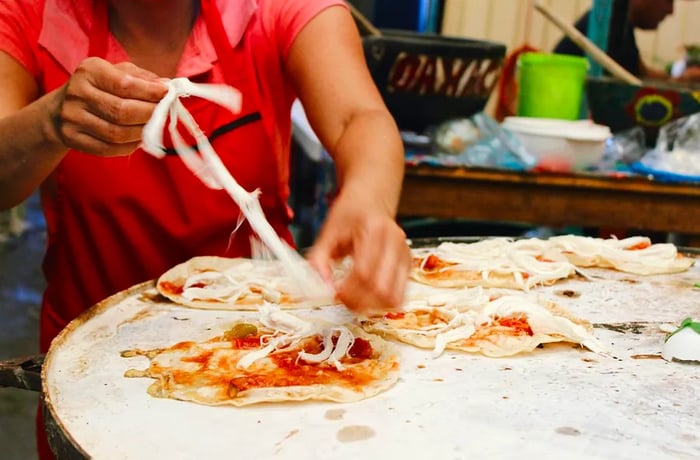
(635, 254)
(495, 263)
(220, 283)
(214, 372)
(505, 326)
(527, 263)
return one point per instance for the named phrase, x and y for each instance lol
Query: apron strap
(219, 39)
(99, 32)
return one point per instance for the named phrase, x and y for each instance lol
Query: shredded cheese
(499, 255)
(456, 323)
(533, 261)
(209, 168)
(290, 329)
(541, 320)
(634, 254)
(262, 278)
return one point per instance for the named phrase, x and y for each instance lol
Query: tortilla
(220, 283)
(488, 263)
(213, 372)
(505, 326)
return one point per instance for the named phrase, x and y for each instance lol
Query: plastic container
(551, 85)
(559, 144)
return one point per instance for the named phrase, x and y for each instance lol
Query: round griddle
(560, 401)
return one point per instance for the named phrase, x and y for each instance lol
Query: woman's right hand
(103, 107)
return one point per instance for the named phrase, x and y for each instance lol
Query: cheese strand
(290, 329)
(209, 168)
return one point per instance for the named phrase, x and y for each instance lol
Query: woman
(85, 79)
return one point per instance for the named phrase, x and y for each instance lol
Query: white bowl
(560, 144)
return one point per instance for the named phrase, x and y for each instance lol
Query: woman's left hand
(328, 68)
(380, 255)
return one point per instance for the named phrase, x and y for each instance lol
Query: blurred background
(515, 23)
(508, 23)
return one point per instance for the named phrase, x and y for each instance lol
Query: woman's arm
(101, 110)
(652, 73)
(327, 65)
(691, 74)
(26, 153)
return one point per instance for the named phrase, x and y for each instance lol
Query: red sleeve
(20, 23)
(285, 19)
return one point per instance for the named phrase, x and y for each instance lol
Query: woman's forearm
(101, 110)
(29, 151)
(369, 159)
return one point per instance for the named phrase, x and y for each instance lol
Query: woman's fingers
(377, 281)
(123, 80)
(104, 107)
(114, 139)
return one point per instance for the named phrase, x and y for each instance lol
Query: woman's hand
(329, 71)
(377, 245)
(103, 107)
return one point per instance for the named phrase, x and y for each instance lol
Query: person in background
(628, 15)
(82, 77)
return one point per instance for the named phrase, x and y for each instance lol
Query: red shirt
(115, 222)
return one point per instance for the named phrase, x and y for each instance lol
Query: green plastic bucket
(551, 85)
